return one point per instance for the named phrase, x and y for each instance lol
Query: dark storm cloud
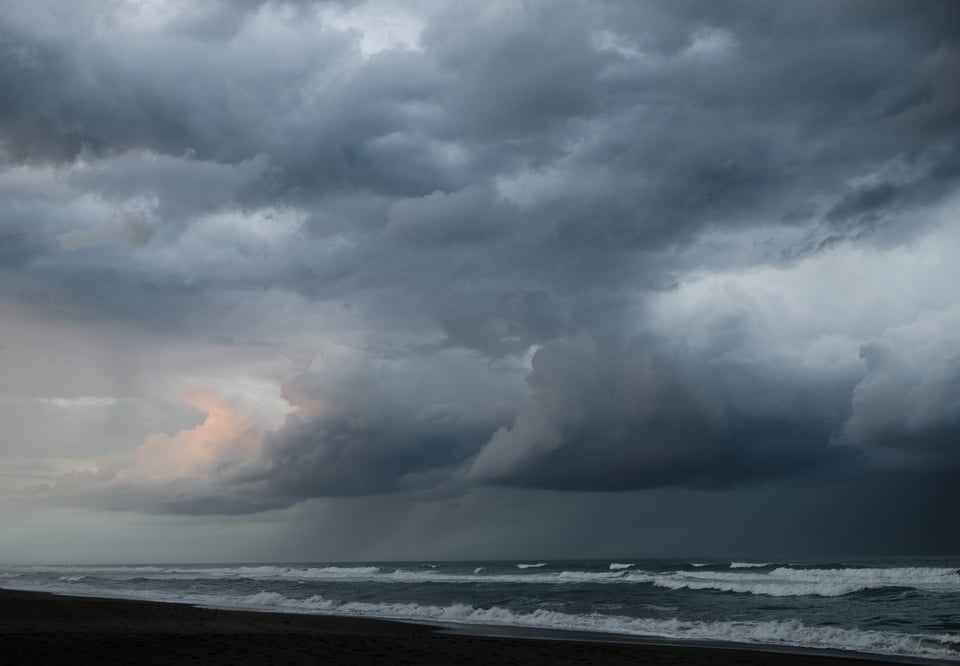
(504, 323)
(607, 418)
(67, 89)
(350, 438)
(524, 180)
(470, 215)
(710, 122)
(363, 453)
(909, 400)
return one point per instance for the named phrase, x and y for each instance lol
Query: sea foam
(299, 588)
(790, 582)
(778, 582)
(789, 633)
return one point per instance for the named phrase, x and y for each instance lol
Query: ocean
(890, 607)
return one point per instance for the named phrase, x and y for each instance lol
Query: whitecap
(790, 582)
(787, 633)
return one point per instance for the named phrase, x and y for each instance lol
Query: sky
(325, 281)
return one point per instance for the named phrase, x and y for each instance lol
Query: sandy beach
(40, 628)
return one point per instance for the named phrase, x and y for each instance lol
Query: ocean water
(905, 607)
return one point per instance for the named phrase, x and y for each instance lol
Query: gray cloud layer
(512, 195)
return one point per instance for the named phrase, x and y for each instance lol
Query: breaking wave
(790, 633)
(778, 582)
(670, 596)
(782, 633)
(789, 582)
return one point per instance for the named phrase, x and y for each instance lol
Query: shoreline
(41, 627)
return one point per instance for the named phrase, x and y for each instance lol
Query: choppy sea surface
(892, 607)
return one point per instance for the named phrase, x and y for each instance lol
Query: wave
(782, 581)
(93, 569)
(790, 582)
(791, 633)
(749, 565)
(782, 633)
(891, 576)
(353, 574)
(786, 633)
(481, 575)
(778, 582)
(270, 572)
(261, 572)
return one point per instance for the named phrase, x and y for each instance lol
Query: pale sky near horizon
(331, 280)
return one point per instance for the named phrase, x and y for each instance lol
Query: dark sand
(37, 628)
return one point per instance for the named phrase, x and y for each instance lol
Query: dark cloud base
(515, 192)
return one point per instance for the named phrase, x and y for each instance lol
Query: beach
(42, 628)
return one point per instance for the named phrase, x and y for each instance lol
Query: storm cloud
(432, 250)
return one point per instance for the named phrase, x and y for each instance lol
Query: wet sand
(39, 628)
